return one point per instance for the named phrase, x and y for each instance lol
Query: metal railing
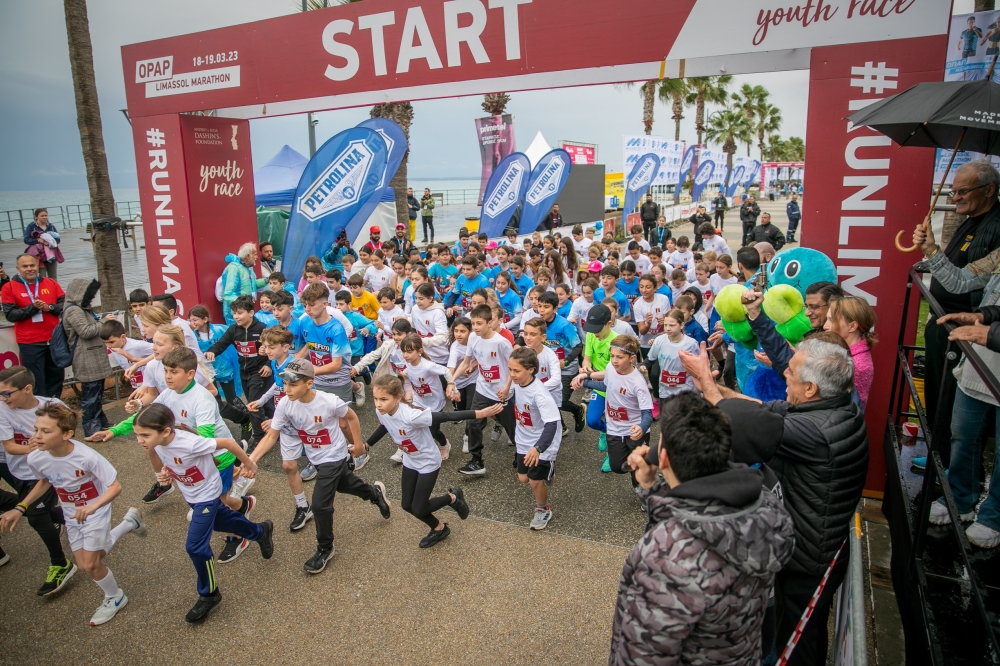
(70, 216)
(968, 577)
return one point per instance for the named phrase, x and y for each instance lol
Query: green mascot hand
(729, 305)
(784, 306)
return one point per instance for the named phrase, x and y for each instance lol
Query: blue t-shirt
(326, 342)
(492, 273)
(970, 40)
(276, 370)
(630, 289)
(624, 307)
(668, 292)
(441, 276)
(562, 336)
(462, 293)
(511, 304)
(523, 284)
(225, 364)
(265, 318)
(359, 322)
(563, 310)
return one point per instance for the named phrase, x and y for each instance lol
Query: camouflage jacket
(695, 587)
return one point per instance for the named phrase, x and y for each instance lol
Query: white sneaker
(108, 609)
(445, 450)
(495, 434)
(190, 514)
(135, 517)
(360, 461)
(397, 456)
(241, 486)
(939, 515)
(359, 396)
(982, 536)
(465, 443)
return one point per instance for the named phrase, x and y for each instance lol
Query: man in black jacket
(765, 232)
(721, 206)
(553, 220)
(699, 218)
(749, 212)
(255, 370)
(649, 212)
(821, 459)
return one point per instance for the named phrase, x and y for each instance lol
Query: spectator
(427, 214)
(42, 240)
(238, 279)
(648, 212)
(90, 356)
(374, 239)
(766, 232)
(333, 259)
(268, 264)
(749, 212)
(821, 460)
(974, 193)
(403, 244)
(853, 319)
(794, 214)
(818, 297)
(699, 218)
(412, 208)
(764, 250)
(721, 203)
(33, 304)
(695, 587)
(551, 221)
(661, 234)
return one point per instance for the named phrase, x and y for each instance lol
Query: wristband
(22, 506)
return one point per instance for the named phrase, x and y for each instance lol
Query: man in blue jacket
(794, 216)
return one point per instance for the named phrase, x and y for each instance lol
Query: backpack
(59, 347)
(218, 289)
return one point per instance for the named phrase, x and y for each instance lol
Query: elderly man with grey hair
(239, 279)
(819, 451)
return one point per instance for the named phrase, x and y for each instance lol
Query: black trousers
(428, 224)
(747, 228)
(567, 404)
(92, 404)
(720, 218)
(938, 393)
(792, 593)
(648, 227)
(619, 449)
(474, 428)
(5, 474)
(467, 393)
(333, 478)
(48, 376)
(42, 516)
(416, 500)
(254, 386)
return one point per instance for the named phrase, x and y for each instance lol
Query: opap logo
(340, 184)
(547, 182)
(505, 195)
(154, 69)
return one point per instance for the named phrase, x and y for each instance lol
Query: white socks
(120, 530)
(110, 586)
(300, 501)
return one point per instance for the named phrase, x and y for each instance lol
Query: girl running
(466, 383)
(425, 389)
(224, 365)
(430, 323)
(665, 358)
(510, 300)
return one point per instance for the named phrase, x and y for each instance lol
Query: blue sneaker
(602, 442)
(919, 465)
(606, 465)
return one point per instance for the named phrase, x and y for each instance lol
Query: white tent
(537, 150)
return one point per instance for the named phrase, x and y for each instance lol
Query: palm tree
(749, 98)
(706, 90)
(495, 104)
(88, 120)
(648, 91)
(728, 127)
(766, 121)
(674, 90)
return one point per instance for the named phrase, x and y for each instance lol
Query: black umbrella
(947, 114)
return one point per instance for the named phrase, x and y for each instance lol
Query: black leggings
(619, 449)
(466, 392)
(567, 404)
(42, 515)
(416, 500)
(227, 407)
(438, 435)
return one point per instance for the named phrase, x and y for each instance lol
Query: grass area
(925, 309)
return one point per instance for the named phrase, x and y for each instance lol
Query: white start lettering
(166, 240)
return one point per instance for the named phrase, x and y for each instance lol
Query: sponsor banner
(396, 145)
(781, 171)
(581, 153)
(496, 141)
(671, 154)
(718, 158)
(742, 168)
(614, 185)
(864, 190)
(341, 181)
(687, 161)
(639, 179)
(702, 178)
(503, 193)
(753, 174)
(547, 180)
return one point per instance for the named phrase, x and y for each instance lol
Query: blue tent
(275, 182)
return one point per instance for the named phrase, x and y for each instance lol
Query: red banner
(581, 153)
(860, 189)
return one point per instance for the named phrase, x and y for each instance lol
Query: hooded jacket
(695, 587)
(238, 279)
(90, 359)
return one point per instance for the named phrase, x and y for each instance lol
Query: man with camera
(333, 259)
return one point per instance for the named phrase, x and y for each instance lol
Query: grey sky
(41, 146)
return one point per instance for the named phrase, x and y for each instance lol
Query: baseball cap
(597, 318)
(298, 369)
(595, 267)
(399, 225)
(374, 229)
(492, 245)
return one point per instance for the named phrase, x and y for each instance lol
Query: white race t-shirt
(680, 259)
(388, 317)
(19, 425)
(455, 357)
(717, 244)
(153, 376)
(78, 479)
(622, 328)
(492, 356)
(190, 460)
(626, 397)
(314, 425)
(427, 390)
(137, 348)
(673, 378)
(705, 289)
(427, 324)
(582, 246)
(658, 307)
(189, 338)
(533, 408)
(195, 407)
(410, 431)
(377, 279)
(642, 265)
(550, 374)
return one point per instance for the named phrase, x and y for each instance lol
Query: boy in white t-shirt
(390, 310)
(86, 484)
(641, 261)
(682, 258)
(125, 350)
(549, 370)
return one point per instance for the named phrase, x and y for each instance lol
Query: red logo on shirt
(136, 379)
(421, 389)
(20, 439)
(81, 496)
(317, 419)
(321, 438)
(708, 294)
(402, 432)
(523, 416)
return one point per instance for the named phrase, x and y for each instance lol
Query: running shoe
(359, 396)
(982, 536)
(134, 516)
(203, 606)
(940, 516)
(460, 506)
(602, 442)
(474, 467)
(308, 472)
(580, 421)
(656, 408)
(246, 428)
(445, 450)
(378, 490)
(434, 536)
(266, 540)
(156, 492)
(56, 578)
(249, 502)
(397, 457)
(542, 517)
(108, 609)
(495, 435)
(465, 443)
(606, 465)
(360, 461)
(303, 515)
(241, 486)
(919, 465)
(317, 562)
(233, 549)
(244, 445)
(4, 557)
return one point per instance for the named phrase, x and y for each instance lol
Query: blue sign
(395, 143)
(736, 179)
(341, 181)
(645, 170)
(546, 182)
(685, 170)
(752, 174)
(503, 193)
(702, 178)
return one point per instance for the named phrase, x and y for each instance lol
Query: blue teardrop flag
(685, 170)
(752, 173)
(396, 145)
(504, 191)
(547, 180)
(735, 180)
(701, 178)
(639, 179)
(337, 184)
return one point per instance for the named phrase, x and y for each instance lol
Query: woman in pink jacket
(853, 319)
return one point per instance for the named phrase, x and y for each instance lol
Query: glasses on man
(6, 395)
(965, 190)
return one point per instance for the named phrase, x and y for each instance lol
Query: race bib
(136, 380)
(490, 374)
(246, 349)
(188, 477)
(82, 496)
(707, 295)
(560, 353)
(523, 417)
(668, 378)
(353, 335)
(465, 303)
(620, 414)
(278, 396)
(425, 335)
(321, 438)
(632, 298)
(407, 446)
(422, 389)
(319, 359)
(20, 439)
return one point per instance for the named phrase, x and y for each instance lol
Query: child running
(310, 418)
(414, 430)
(549, 371)
(86, 484)
(596, 356)
(425, 387)
(124, 350)
(665, 353)
(465, 384)
(538, 432)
